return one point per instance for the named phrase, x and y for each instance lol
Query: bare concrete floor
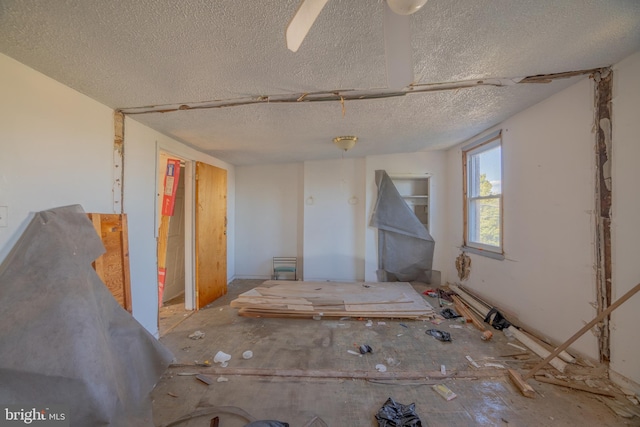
(172, 313)
(485, 395)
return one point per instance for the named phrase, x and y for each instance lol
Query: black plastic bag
(449, 313)
(498, 322)
(267, 423)
(439, 335)
(393, 414)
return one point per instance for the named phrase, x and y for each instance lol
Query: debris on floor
(472, 362)
(282, 298)
(439, 335)
(267, 423)
(444, 391)
(493, 317)
(222, 358)
(197, 335)
(394, 414)
(365, 348)
(205, 379)
(449, 313)
(314, 363)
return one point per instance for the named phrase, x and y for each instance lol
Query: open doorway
(191, 225)
(174, 236)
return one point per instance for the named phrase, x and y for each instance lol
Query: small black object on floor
(439, 335)
(394, 414)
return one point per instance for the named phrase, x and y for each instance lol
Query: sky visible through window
(490, 165)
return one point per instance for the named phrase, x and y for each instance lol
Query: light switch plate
(4, 213)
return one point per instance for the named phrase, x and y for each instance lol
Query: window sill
(483, 252)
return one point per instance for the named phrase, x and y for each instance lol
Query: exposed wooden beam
(341, 95)
(118, 162)
(603, 145)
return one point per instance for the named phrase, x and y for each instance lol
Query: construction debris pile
(472, 307)
(333, 300)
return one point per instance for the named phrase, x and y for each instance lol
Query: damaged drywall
(603, 145)
(118, 162)
(67, 341)
(463, 266)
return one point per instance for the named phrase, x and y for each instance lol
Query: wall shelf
(414, 189)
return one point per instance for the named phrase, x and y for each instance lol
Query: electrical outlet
(4, 213)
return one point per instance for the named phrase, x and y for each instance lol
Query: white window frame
(487, 143)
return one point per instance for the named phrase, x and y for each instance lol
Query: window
(483, 195)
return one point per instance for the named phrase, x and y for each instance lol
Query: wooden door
(211, 233)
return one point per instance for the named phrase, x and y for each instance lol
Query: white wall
(547, 278)
(334, 226)
(268, 203)
(142, 148)
(432, 162)
(55, 149)
(625, 347)
(304, 209)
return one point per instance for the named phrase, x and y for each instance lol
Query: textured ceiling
(147, 52)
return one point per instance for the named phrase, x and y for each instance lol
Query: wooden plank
(519, 335)
(113, 266)
(584, 329)
(211, 233)
(333, 299)
(468, 314)
(536, 348)
(350, 374)
(469, 297)
(248, 312)
(521, 384)
(574, 386)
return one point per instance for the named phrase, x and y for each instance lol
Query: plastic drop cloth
(65, 340)
(405, 247)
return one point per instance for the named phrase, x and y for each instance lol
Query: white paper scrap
(516, 346)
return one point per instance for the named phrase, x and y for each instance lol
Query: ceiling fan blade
(302, 22)
(397, 47)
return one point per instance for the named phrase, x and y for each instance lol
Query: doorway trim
(189, 219)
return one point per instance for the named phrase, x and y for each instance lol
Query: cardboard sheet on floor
(405, 247)
(286, 298)
(65, 340)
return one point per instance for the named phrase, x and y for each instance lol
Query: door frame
(189, 220)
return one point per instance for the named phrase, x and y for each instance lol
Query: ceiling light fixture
(405, 7)
(345, 142)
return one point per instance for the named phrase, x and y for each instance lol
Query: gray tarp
(405, 247)
(64, 339)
